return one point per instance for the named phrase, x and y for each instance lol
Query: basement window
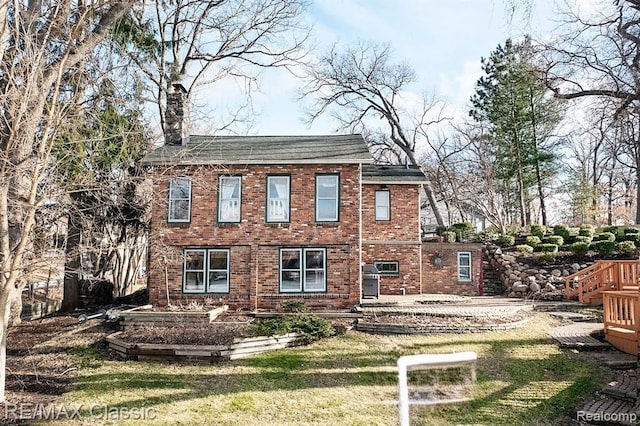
(387, 267)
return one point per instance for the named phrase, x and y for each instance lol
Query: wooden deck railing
(621, 310)
(588, 284)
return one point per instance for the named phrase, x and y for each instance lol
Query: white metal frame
(427, 361)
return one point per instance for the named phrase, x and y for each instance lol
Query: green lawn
(522, 378)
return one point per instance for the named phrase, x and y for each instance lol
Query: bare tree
(359, 86)
(201, 43)
(598, 57)
(42, 41)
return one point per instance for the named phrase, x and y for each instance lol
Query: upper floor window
(229, 194)
(327, 198)
(383, 205)
(278, 194)
(179, 200)
(464, 266)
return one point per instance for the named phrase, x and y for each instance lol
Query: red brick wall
(408, 258)
(444, 279)
(405, 214)
(255, 244)
(397, 239)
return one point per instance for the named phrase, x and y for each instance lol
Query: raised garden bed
(239, 348)
(143, 316)
(427, 324)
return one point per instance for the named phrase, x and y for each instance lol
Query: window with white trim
(278, 193)
(464, 266)
(383, 205)
(303, 270)
(229, 196)
(179, 200)
(327, 198)
(387, 267)
(206, 271)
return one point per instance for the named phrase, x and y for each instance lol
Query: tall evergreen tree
(513, 102)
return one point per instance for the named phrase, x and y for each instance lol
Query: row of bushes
(579, 240)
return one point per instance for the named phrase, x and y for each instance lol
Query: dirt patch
(40, 360)
(433, 320)
(216, 333)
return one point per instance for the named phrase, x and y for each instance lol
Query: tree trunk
(637, 186)
(5, 309)
(72, 266)
(433, 203)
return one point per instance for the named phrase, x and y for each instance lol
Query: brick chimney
(176, 116)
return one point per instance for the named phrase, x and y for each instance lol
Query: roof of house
(378, 174)
(212, 150)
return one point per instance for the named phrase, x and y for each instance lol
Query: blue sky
(442, 40)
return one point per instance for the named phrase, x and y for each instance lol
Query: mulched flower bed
(453, 321)
(219, 332)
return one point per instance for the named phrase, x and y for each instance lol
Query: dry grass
(523, 378)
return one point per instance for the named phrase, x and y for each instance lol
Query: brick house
(254, 222)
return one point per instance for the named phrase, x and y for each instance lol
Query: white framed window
(179, 200)
(327, 198)
(218, 269)
(278, 194)
(303, 270)
(206, 271)
(194, 271)
(464, 266)
(229, 198)
(383, 205)
(387, 267)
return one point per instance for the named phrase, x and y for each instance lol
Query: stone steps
(491, 283)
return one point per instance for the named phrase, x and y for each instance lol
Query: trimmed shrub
(579, 248)
(524, 248)
(630, 230)
(604, 247)
(615, 230)
(463, 226)
(562, 230)
(547, 248)
(583, 239)
(587, 231)
(555, 239)
(604, 236)
(546, 257)
(505, 240)
(626, 247)
(295, 306)
(449, 236)
(630, 237)
(538, 230)
(533, 240)
(440, 230)
(462, 229)
(311, 327)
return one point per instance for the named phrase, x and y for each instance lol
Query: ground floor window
(387, 267)
(303, 270)
(206, 271)
(464, 266)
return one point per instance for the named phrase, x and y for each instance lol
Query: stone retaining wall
(544, 282)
